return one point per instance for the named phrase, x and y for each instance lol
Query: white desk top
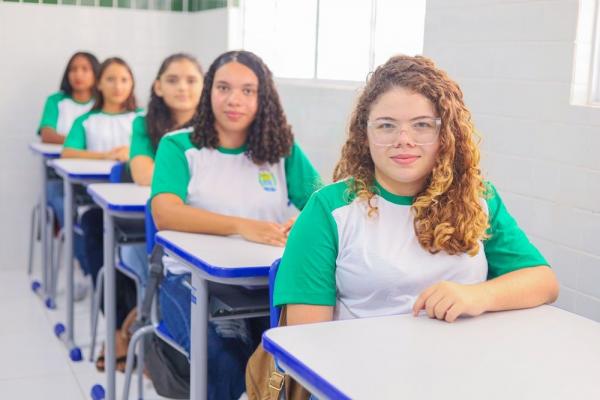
(542, 353)
(79, 168)
(46, 149)
(220, 256)
(123, 197)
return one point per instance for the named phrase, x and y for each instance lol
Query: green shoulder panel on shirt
(76, 137)
(141, 144)
(302, 178)
(50, 114)
(508, 248)
(307, 271)
(171, 168)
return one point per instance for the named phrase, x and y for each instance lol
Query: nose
(234, 98)
(404, 138)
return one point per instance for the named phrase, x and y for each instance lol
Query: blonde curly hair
(448, 213)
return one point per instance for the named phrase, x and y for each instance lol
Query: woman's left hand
(448, 301)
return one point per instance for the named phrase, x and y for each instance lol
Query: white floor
(35, 364)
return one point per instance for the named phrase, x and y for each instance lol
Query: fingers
(420, 302)
(441, 308)
(453, 313)
(432, 301)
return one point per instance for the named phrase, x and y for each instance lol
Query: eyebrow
(395, 120)
(245, 85)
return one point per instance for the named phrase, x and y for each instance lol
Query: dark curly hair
(158, 117)
(270, 136)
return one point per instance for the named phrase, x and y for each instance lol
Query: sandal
(120, 363)
(100, 363)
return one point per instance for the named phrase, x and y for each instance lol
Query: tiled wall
(514, 62)
(165, 5)
(36, 45)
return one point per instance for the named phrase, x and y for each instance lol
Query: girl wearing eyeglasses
(410, 225)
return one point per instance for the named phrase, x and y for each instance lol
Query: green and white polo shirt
(226, 181)
(373, 266)
(60, 111)
(141, 145)
(101, 131)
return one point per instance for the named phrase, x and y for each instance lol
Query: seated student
(105, 133)
(76, 97)
(232, 173)
(174, 98)
(409, 224)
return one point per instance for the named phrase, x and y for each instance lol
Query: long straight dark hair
(65, 85)
(159, 119)
(130, 103)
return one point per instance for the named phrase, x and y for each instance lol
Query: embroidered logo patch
(267, 180)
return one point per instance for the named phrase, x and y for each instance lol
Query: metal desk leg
(59, 329)
(198, 342)
(110, 311)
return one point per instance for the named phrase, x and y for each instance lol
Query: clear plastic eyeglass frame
(411, 134)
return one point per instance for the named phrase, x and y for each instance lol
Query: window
(331, 39)
(585, 87)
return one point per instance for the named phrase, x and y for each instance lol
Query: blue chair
(274, 312)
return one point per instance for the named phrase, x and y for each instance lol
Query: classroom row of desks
(541, 353)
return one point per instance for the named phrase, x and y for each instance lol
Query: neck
(399, 188)
(112, 108)
(231, 139)
(181, 117)
(82, 96)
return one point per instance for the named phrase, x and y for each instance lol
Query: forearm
(68, 152)
(49, 135)
(298, 314)
(142, 168)
(524, 288)
(185, 218)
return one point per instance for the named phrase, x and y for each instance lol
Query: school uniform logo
(266, 179)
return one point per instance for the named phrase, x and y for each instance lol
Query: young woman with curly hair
(235, 171)
(410, 224)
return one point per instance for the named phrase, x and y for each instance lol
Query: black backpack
(168, 368)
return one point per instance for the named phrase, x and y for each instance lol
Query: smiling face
(115, 85)
(403, 168)
(234, 98)
(180, 86)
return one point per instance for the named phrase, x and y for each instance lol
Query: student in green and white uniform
(174, 98)
(235, 171)
(410, 224)
(105, 133)
(76, 97)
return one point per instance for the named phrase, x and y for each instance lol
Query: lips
(405, 159)
(233, 116)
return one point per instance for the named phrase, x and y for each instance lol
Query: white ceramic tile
(52, 387)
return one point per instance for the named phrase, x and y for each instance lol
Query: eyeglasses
(421, 131)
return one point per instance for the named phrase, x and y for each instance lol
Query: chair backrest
(116, 173)
(274, 312)
(150, 229)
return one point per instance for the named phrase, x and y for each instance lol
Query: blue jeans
(227, 357)
(55, 197)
